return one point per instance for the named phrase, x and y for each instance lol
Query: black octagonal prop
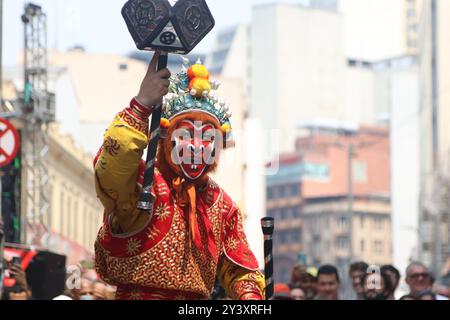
(145, 18)
(155, 24)
(193, 21)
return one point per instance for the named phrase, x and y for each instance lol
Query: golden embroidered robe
(152, 256)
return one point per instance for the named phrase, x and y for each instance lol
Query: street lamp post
(350, 154)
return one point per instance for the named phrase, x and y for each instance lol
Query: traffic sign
(9, 142)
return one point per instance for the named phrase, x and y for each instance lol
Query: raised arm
(118, 165)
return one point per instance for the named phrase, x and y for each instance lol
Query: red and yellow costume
(194, 235)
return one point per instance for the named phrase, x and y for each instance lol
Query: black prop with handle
(171, 27)
(268, 226)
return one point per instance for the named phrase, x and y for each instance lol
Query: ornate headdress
(192, 91)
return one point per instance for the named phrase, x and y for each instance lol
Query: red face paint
(194, 147)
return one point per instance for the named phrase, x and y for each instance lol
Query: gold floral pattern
(133, 246)
(136, 294)
(231, 244)
(111, 146)
(242, 290)
(171, 264)
(162, 212)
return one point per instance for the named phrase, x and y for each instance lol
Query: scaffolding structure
(38, 111)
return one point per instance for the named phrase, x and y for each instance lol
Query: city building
(291, 78)
(411, 16)
(434, 112)
(317, 214)
(295, 75)
(75, 214)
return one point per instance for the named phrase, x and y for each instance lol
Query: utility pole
(435, 81)
(436, 210)
(350, 154)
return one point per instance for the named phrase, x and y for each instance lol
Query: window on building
(327, 246)
(343, 223)
(362, 245)
(275, 193)
(378, 246)
(295, 190)
(69, 218)
(62, 212)
(362, 222)
(77, 219)
(378, 223)
(297, 212)
(283, 214)
(296, 235)
(282, 192)
(411, 13)
(282, 237)
(412, 43)
(359, 172)
(85, 227)
(342, 243)
(270, 193)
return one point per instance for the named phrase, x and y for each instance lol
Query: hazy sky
(99, 27)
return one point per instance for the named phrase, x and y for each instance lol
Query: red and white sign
(9, 142)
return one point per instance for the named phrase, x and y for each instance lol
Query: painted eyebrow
(193, 125)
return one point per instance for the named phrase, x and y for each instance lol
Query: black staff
(156, 24)
(146, 199)
(268, 225)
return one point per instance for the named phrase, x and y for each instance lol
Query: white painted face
(194, 147)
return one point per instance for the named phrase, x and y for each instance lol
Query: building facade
(434, 220)
(76, 214)
(317, 215)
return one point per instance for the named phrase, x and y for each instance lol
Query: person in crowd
(426, 295)
(110, 292)
(443, 290)
(309, 283)
(356, 272)
(298, 294)
(328, 283)
(99, 290)
(305, 279)
(419, 280)
(394, 276)
(86, 289)
(281, 291)
(407, 297)
(296, 276)
(21, 290)
(376, 286)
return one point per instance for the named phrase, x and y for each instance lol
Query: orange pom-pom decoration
(198, 71)
(226, 128)
(200, 85)
(165, 123)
